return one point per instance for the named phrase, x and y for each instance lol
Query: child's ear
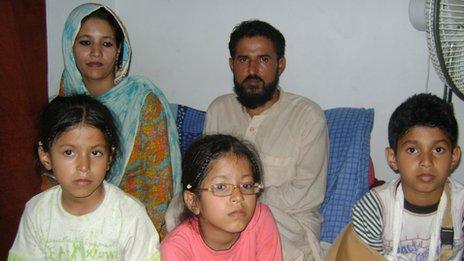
(191, 202)
(44, 158)
(108, 164)
(391, 158)
(455, 157)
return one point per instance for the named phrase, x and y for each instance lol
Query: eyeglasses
(225, 189)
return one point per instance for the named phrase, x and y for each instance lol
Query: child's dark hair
(422, 110)
(254, 28)
(197, 160)
(63, 113)
(105, 15)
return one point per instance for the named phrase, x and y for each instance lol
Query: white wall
(360, 53)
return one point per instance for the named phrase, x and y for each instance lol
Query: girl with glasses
(222, 219)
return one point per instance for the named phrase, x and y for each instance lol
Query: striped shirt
(367, 220)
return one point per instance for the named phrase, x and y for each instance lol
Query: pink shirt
(259, 241)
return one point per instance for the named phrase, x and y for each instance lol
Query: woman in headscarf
(97, 54)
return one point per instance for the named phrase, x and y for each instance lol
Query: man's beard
(252, 98)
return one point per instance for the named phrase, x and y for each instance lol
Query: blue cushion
(189, 123)
(348, 172)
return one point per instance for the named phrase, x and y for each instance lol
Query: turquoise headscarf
(125, 99)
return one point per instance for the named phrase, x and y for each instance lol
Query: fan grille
(445, 41)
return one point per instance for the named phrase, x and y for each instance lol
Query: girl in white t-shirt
(83, 217)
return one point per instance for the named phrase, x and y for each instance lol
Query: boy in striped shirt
(419, 215)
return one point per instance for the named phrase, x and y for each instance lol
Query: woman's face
(96, 52)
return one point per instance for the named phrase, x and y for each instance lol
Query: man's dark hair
(422, 110)
(252, 28)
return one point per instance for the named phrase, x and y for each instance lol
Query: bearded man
(288, 130)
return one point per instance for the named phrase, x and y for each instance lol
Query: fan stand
(447, 93)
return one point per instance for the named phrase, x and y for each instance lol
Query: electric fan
(443, 21)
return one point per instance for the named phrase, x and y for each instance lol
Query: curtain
(23, 92)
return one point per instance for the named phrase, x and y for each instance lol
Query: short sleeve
(269, 245)
(367, 220)
(176, 245)
(142, 239)
(27, 242)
